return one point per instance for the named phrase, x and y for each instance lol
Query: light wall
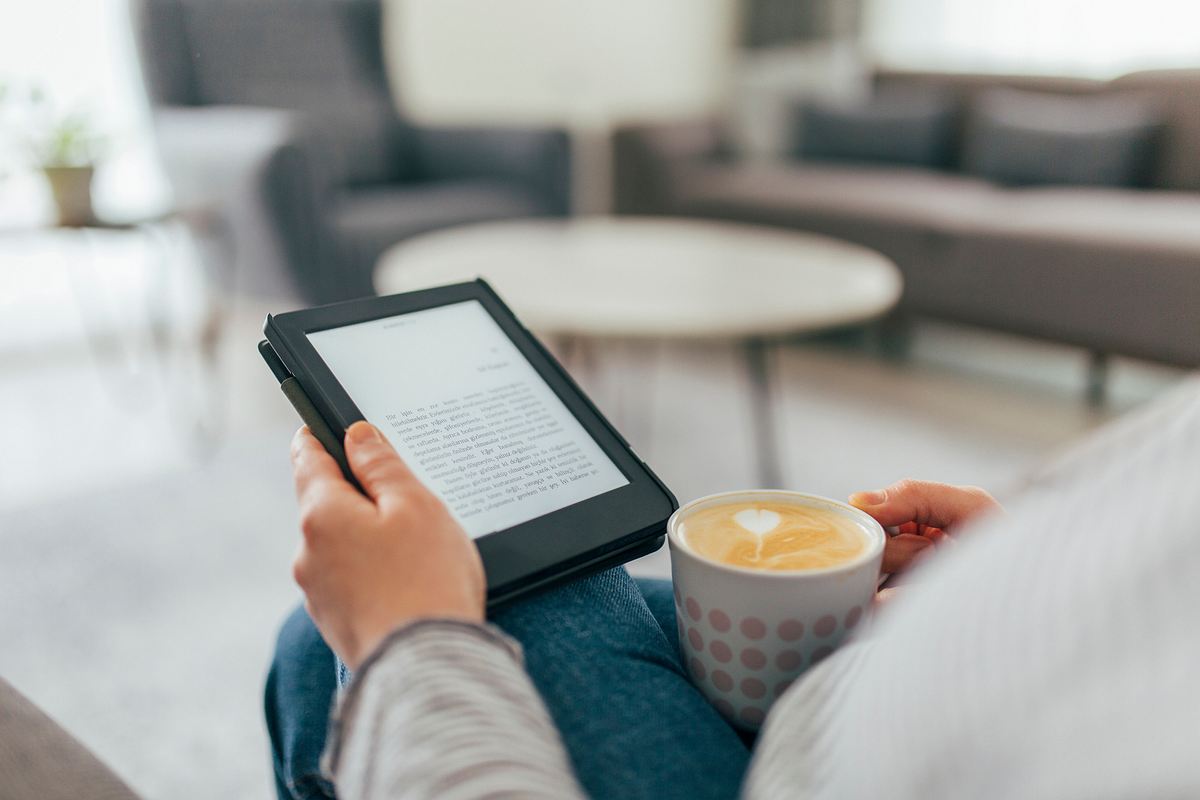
(557, 61)
(1090, 38)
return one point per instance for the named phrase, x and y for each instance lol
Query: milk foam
(801, 538)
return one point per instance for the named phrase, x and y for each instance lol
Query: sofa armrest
(262, 171)
(646, 159)
(537, 158)
(41, 761)
(209, 152)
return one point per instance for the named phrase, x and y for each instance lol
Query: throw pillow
(1027, 138)
(911, 128)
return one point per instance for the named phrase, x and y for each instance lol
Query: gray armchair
(278, 113)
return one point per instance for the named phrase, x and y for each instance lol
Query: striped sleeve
(1052, 654)
(445, 709)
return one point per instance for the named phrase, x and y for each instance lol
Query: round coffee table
(660, 278)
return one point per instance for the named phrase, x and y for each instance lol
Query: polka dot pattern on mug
(753, 658)
(820, 654)
(791, 630)
(719, 620)
(788, 660)
(852, 617)
(753, 688)
(738, 661)
(753, 628)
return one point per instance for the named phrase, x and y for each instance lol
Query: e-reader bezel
(600, 531)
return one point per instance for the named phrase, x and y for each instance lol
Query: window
(1091, 38)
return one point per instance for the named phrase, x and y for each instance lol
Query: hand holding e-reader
(485, 417)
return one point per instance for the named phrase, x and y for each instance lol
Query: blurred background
(977, 224)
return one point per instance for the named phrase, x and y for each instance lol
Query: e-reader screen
(469, 414)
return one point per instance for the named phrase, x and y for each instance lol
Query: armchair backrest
(323, 58)
(165, 54)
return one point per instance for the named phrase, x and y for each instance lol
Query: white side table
(662, 278)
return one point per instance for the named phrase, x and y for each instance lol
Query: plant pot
(72, 189)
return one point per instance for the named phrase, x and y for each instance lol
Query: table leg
(103, 335)
(758, 354)
(1097, 378)
(216, 260)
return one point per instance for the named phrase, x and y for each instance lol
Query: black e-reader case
(601, 532)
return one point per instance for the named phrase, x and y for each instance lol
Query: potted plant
(67, 156)
(64, 147)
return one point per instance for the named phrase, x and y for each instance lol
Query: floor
(146, 521)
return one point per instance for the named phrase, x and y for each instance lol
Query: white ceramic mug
(747, 634)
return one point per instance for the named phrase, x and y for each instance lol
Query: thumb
(938, 504)
(379, 469)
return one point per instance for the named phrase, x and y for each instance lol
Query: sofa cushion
(1097, 217)
(894, 127)
(368, 221)
(1102, 268)
(359, 142)
(898, 212)
(787, 194)
(534, 159)
(1030, 138)
(1176, 94)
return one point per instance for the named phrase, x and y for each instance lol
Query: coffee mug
(747, 633)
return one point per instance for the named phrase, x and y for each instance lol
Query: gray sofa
(278, 114)
(39, 760)
(1115, 269)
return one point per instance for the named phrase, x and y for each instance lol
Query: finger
(925, 502)
(900, 551)
(379, 469)
(885, 596)
(909, 527)
(935, 535)
(313, 469)
(301, 567)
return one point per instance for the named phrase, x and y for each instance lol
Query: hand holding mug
(767, 584)
(925, 513)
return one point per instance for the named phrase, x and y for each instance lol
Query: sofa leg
(1097, 378)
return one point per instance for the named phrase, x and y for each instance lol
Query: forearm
(445, 709)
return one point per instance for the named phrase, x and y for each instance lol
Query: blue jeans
(602, 652)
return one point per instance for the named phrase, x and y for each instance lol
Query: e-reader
(486, 418)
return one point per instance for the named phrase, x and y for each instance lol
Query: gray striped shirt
(1054, 654)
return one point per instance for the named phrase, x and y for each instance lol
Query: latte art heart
(758, 521)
